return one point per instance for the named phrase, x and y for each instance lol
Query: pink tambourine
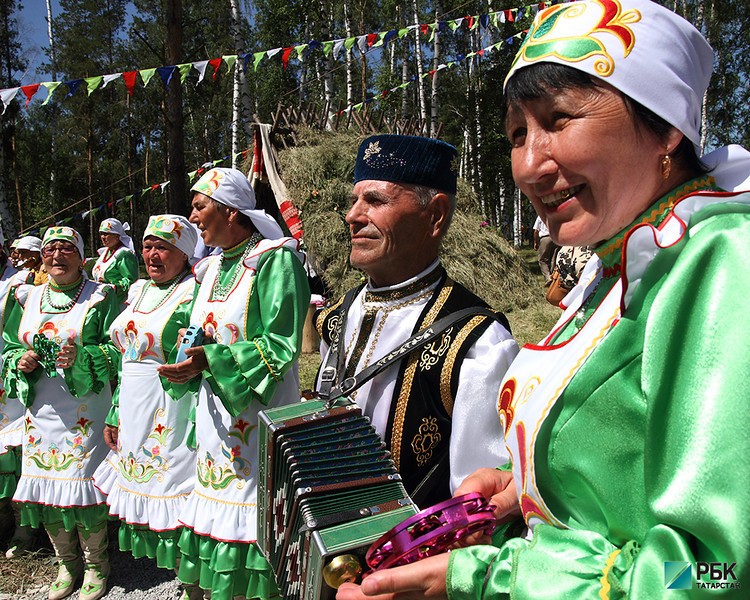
(432, 531)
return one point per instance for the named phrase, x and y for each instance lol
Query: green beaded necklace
(242, 250)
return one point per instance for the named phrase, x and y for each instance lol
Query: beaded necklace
(166, 292)
(62, 289)
(219, 291)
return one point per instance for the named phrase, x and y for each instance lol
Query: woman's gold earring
(666, 167)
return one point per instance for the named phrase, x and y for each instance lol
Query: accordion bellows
(326, 487)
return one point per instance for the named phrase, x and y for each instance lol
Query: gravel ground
(130, 578)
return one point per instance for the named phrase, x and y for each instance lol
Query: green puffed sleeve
(122, 273)
(695, 498)
(17, 384)
(113, 416)
(277, 309)
(98, 359)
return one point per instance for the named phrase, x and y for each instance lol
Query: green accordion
(327, 489)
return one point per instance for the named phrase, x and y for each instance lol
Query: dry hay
(319, 173)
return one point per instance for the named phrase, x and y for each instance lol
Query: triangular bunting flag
(337, 46)
(7, 97)
(215, 64)
(108, 78)
(402, 32)
(230, 59)
(129, 78)
(51, 87)
(328, 48)
(285, 56)
(274, 52)
(362, 43)
(146, 75)
(389, 36)
(424, 28)
(245, 60)
(185, 69)
(166, 73)
(93, 83)
(257, 57)
(349, 42)
(300, 50)
(164, 186)
(29, 91)
(371, 39)
(200, 66)
(73, 86)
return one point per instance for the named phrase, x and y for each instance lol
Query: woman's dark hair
(242, 219)
(544, 79)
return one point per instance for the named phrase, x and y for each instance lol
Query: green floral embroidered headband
(175, 230)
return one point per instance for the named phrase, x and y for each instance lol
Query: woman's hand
(28, 361)
(500, 488)
(67, 355)
(111, 435)
(496, 485)
(186, 370)
(422, 579)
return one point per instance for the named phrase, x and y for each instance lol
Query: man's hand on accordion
(422, 579)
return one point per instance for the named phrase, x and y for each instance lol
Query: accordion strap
(415, 342)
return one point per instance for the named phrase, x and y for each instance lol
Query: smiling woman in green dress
(251, 302)
(59, 360)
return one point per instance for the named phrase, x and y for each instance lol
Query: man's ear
(440, 210)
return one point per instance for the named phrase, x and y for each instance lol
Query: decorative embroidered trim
(212, 499)
(323, 314)
(403, 396)
(447, 372)
(426, 440)
(604, 591)
(268, 365)
(127, 491)
(657, 214)
(409, 290)
(111, 371)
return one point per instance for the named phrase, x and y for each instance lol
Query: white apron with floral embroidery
(63, 442)
(150, 478)
(11, 409)
(223, 504)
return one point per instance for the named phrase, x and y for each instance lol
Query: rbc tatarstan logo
(678, 575)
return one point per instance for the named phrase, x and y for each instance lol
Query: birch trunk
(420, 65)
(434, 103)
(349, 62)
(240, 93)
(53, 64)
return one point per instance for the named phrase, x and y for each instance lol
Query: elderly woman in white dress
(251, 302)
(150, 472)
(59, 360)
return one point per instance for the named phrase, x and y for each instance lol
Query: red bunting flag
(155, 187)
(509, 16)
(130, 78)
(480, 52)
(469, 21)
(371, 39)
(424, 28)
(384, 93)
(29, 91)
(215, 63)
(285, 56)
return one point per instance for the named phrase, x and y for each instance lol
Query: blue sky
(32, 31)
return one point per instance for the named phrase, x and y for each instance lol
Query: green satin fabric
(225, 569)
(91, 518)
(273, 336)
(141, 541)
(91, 371)
(647, 450)
(10, 469)
(122, 273)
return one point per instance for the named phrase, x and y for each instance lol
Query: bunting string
(330, 48)
(137, 195)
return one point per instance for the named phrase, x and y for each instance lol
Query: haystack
(318, 173)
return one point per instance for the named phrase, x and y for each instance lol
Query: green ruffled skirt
(226, 569)
(10, 470)
(141, 541)
(91, 518)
